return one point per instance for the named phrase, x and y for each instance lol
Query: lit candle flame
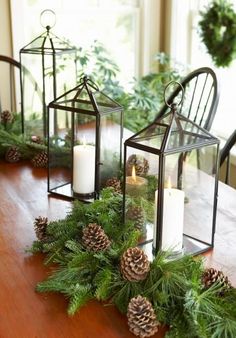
(133, 174)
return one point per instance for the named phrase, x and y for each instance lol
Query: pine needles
(174, 287)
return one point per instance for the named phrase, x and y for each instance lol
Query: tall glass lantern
(87, 153)
(170, 179)
(48, 69)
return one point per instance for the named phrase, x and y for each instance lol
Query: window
(129, 29)
(114, 23)
(186, 47)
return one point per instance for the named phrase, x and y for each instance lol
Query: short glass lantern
(86, 154)
(48, 69)
(170, 185)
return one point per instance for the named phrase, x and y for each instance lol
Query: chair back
(9, 84)
(201, 97)
(225, 158)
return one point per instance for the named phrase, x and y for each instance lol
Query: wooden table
(27, 314)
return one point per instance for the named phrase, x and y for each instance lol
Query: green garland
(218, 32)
(29, 147)
(173, 288)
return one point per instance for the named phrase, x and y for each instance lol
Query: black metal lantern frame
(85, 154)
(170, 185)
(48, 69)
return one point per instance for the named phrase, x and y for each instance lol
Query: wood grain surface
(27, 314)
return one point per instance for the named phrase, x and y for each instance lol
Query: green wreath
(218, 32)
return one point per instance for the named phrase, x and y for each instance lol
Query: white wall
(5, 31)
(5, 49)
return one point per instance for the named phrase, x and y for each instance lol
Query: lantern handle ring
(48, 19)
(170, 105)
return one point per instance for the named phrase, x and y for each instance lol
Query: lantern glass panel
(171, 185)
(110, 135)
(198, 182)
(59, 154)
(47, 70)
(93, 136)
(141, 184)
(32, 94)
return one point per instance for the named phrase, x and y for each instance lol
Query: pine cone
(141, 317)
(40, 226)
(134, 264)
(6, 117)
(115, 183)
(40, 160)
(212, 276)
(136, 214)
(36, 139)
(12, 155)
(139, 162)
(94, 238)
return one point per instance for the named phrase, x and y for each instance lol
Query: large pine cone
(94, 238)
(115, 183)
(40, 226)
(141, 317)
(136, 214)
(139, 162)
(40, 160)
(12, 155)
(134, 264)
(6, 117)
(212, 276)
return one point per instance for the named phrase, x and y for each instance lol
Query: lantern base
(191, 246)
(67, 192)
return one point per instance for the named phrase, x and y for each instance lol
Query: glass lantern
(170, 185)
(86, 153)
(48, 69)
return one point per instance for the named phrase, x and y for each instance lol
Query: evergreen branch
(222, 327)
(79, 296)
(73, 246)
(36, 247)
(50, 285)
(26, 148)
(102, 282)
(123, 291)
(82, 260)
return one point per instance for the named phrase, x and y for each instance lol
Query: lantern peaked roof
(86, 98)
(171, 133)
(47, 43)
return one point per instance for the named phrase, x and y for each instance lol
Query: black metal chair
(10, 74)
(201, 97)
(225, 157)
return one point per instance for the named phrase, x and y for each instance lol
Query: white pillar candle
(173, 219)
(83, 169)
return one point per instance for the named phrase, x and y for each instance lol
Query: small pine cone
(139, 162)
(12, 155)
(40, 226)
(115, 183)
(136, 214)
(212, 276)
(94, 238)
(40, 160)
(6, 117)
(134, 264)
(142, 320)
(36, 139)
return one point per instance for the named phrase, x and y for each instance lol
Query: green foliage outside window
(142, 102)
